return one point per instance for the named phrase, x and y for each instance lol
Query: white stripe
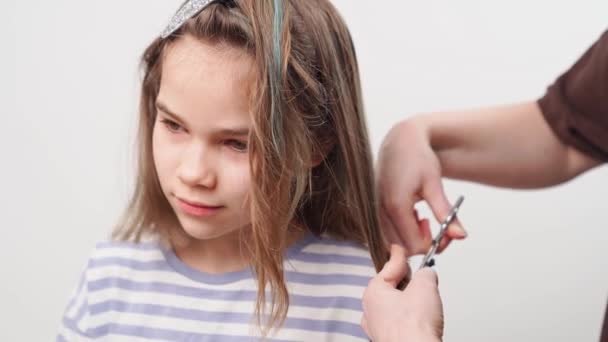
(224, 328)
(319, 248)
(99, 273)
(329, 268)
(79, 299)
(123, 338)
(145, 254)
(291, 265)
(326, 290)
(129, 253)
(209, 305)
(71, 335)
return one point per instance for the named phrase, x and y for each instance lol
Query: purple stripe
(73, 326)
(172, 264)
(226, 295)
(338, 302)
(327, 279)
(333, 258)
(168, 311)
(165, 334)
(180, 290)
(339, 243)
(78, 290)
(82, 310)
(60, 338)
(217, 279)
(128, 245)
(151, 265)
(329, 326)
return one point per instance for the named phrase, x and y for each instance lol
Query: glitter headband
(187, 11)
(192, 7)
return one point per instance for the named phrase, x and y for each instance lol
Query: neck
(224, 254)
(218, 255)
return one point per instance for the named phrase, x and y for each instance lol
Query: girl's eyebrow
(235, 132)
(162, 107)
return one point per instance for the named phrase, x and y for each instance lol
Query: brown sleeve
(604, 333)
(576, 105)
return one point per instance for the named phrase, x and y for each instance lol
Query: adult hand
(408, 171)
(414, 314)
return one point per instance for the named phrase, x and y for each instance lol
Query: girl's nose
(197, 168)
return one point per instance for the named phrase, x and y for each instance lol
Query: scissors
(428, 258)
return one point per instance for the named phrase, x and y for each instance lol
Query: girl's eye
(171, 125)
(237, 145)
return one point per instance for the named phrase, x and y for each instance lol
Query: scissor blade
(442, 230)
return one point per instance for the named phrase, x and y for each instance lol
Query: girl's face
(200, 136)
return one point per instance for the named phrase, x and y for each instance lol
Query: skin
(200, 150)
(489, 145)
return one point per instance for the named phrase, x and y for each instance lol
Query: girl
(254, 172)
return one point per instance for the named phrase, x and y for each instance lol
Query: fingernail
(461, 232)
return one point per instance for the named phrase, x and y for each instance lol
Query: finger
(396, 268)
(425, 275)
(375, 290)
(440, 206)
(456, 231)
(390, 232)
(444, 243)
(364, 326)
(425, 229)
(406, 227)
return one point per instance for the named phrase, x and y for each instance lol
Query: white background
(534, 266)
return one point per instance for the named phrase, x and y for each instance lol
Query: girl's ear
(319, 156)
(316, 161)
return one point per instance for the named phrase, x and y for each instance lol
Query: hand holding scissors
(428, 258)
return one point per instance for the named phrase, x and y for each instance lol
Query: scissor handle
(428, 258)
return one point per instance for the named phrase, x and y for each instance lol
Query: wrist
(417, 128)
(429, 128)
(411, 336)
(441, 138)
(420, 123)
(409, 331)
(429, 125)
(423, 338)
(417, 334)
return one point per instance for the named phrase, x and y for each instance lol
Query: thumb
(435, 196)
(426, 274)
(397, 267)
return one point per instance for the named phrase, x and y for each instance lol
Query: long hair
(310, 157)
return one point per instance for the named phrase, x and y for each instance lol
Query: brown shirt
(576, 105)
(576, 108)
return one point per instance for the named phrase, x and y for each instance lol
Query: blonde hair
(311, 165)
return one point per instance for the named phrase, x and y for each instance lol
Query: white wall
(534, 266)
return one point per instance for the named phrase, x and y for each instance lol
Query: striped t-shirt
(143, 292)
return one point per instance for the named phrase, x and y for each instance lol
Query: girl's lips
(197, 209)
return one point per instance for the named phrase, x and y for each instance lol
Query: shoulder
(110, 264)
(340, 261)
(111, 258)
(326, 279)
(574, 106)
(334, 250)
(143, 250)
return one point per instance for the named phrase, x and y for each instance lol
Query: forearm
(509, 146)
(407, 332)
